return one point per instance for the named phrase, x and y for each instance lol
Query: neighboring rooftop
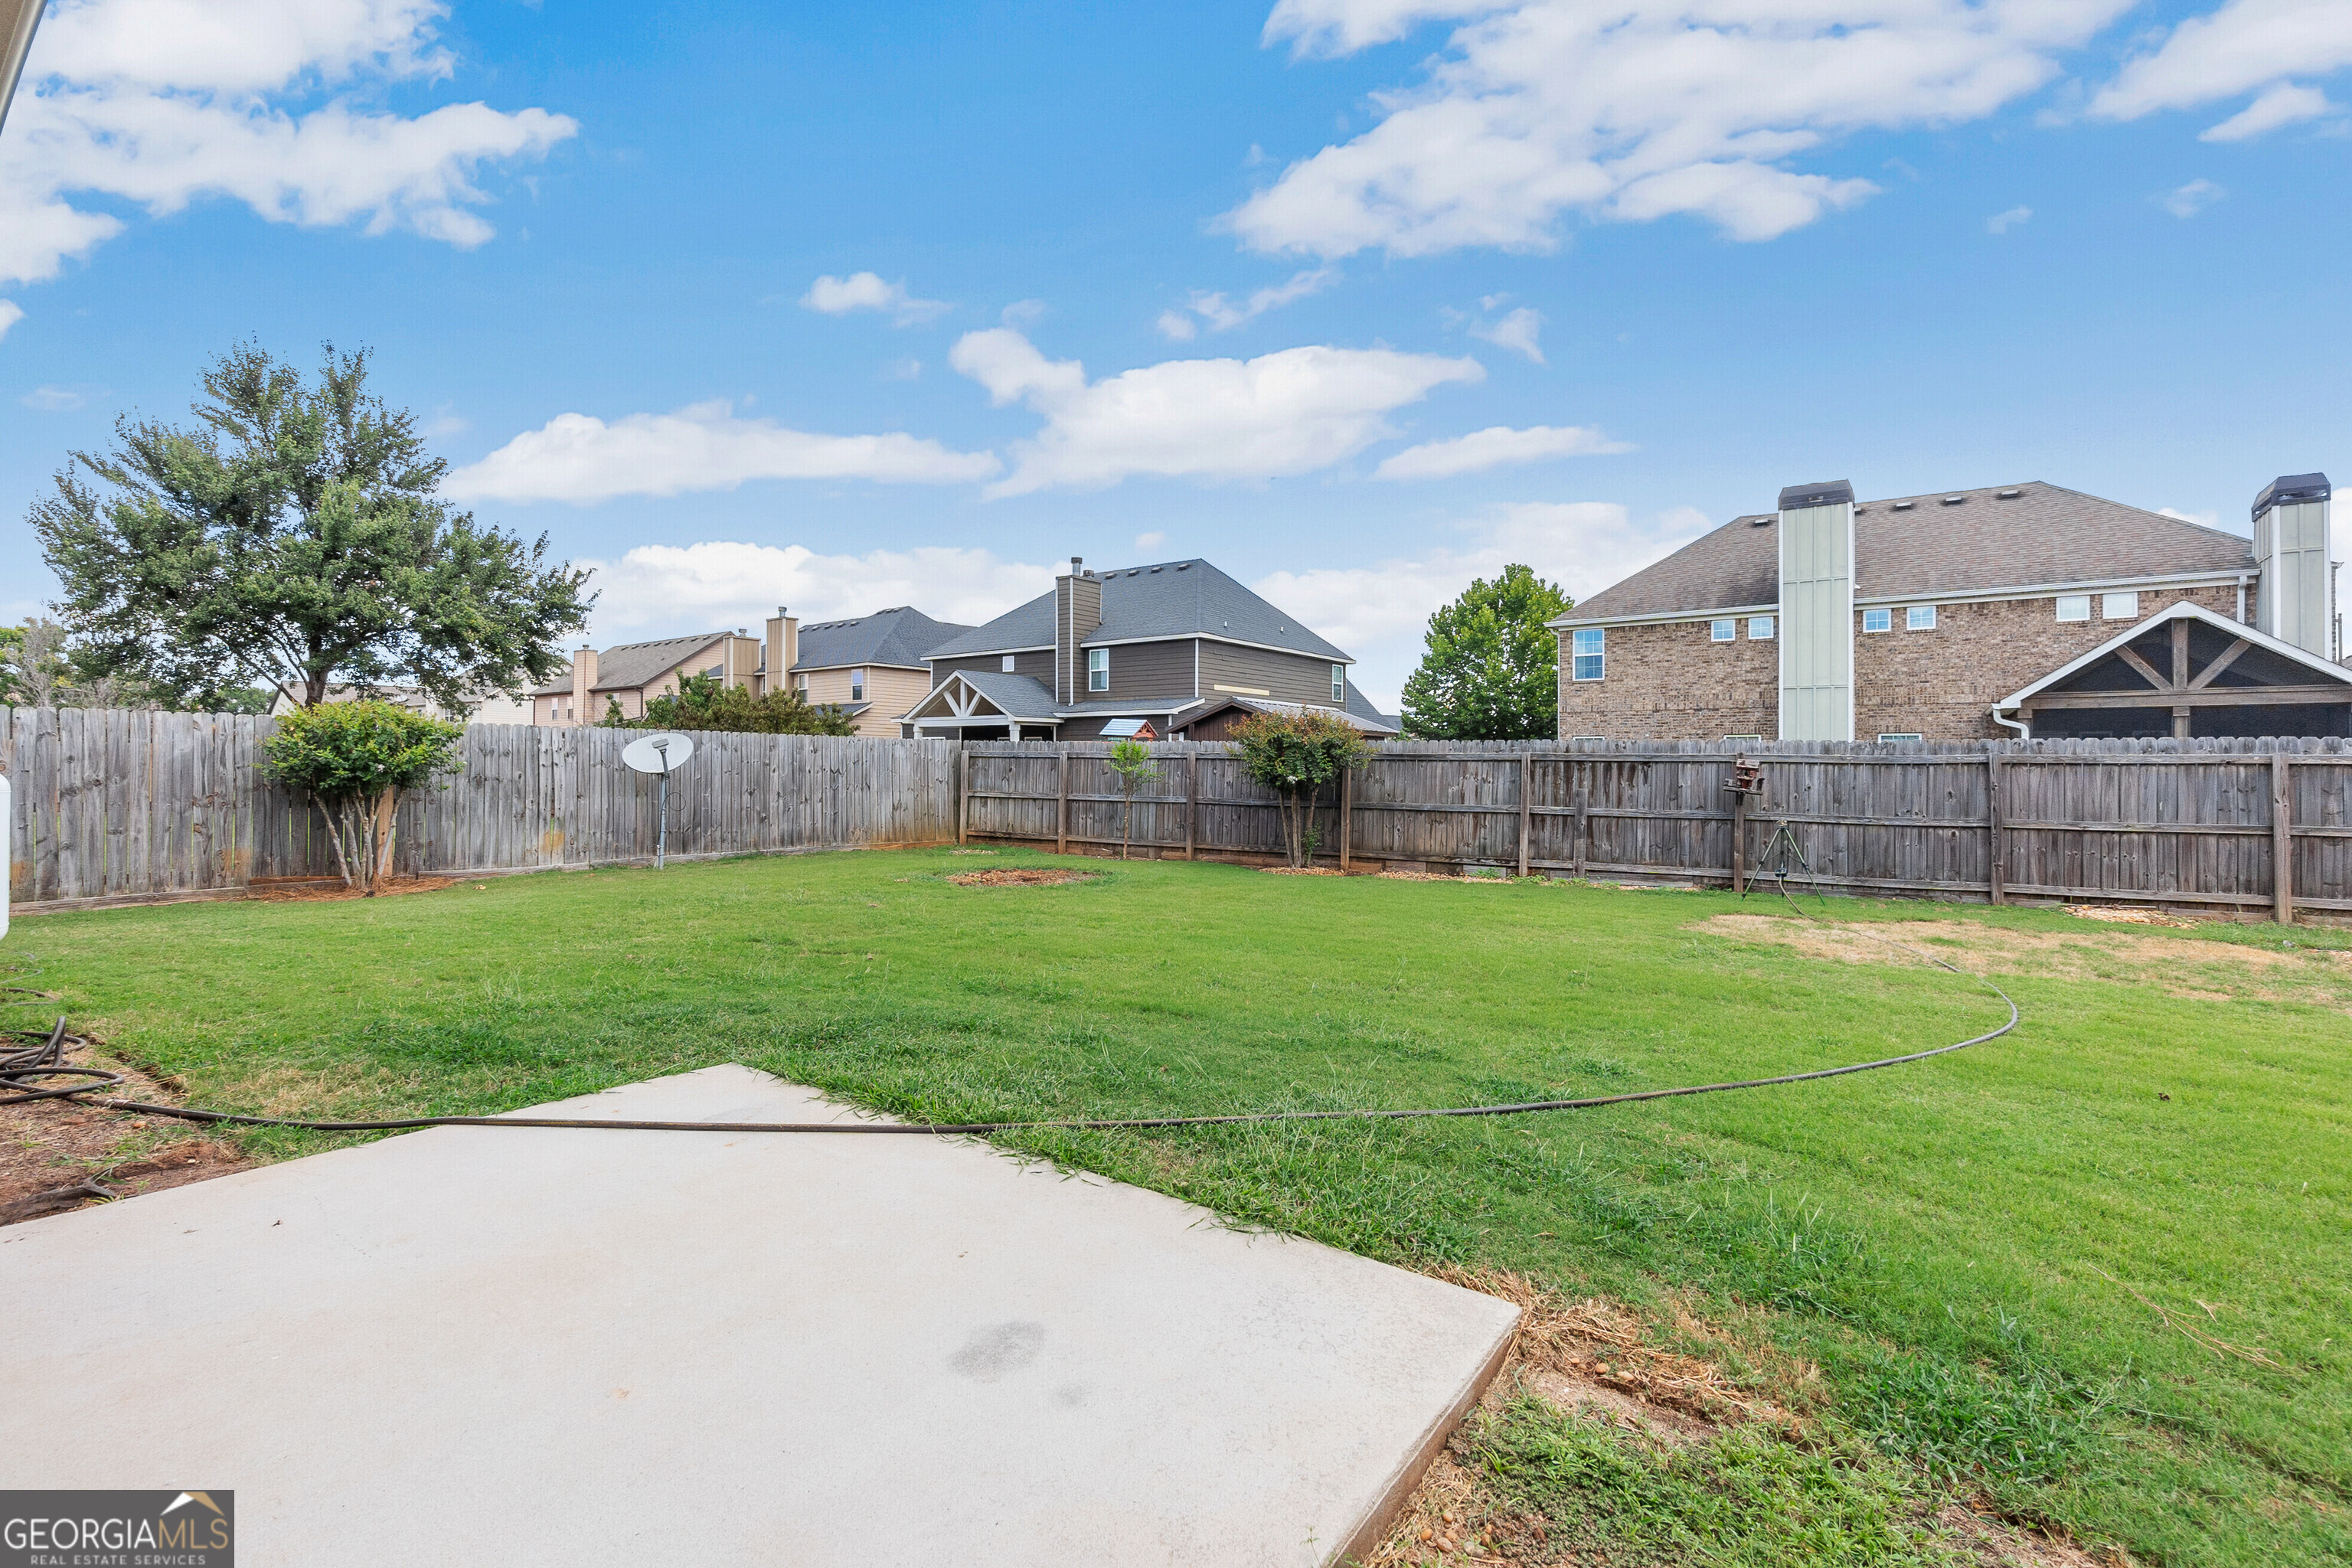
(899, 636)
(626, 665)
(1944, 541)
(1172, 599)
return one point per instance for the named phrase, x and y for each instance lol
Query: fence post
(963, 792)
(1738, 834)
(1996, 841)
(2281, 840)
(1346, 814)
(1580, 786)
(1062, 812)
(1191, 803)
(1526, 766)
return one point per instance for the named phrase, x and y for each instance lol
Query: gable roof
(1946, 541)
(1172, 599)
(1367, 719)
(1011, 697)
(626, 665)
(899, 636)
(2184, 610)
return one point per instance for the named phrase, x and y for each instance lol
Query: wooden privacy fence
(114, 804)
(2263, 824)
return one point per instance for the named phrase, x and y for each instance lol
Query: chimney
(583, 684)
(1078, 611)
(783, 648)
(2296, 601)
(1816, 630)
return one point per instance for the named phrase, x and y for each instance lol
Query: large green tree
(1492, 669)
(293, 537)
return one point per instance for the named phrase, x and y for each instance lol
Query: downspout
(2242, 598)
(2025, 728)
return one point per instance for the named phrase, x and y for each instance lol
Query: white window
(1723, 631)
(1760, 628)
(1339, 683)
(1588, 653)
(1008, 664)
(804, 685)
(1919, 618)
(1878, 620)
(2119, 606)
(858, 686)
(1889, 735)
(1742, 739)
(1097, 669)
(2073, 606)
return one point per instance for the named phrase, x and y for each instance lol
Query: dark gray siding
(1285, 677)
(1145, 672)
(1038, 666)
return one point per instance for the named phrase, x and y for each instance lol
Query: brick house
(1163, 643)
(1964, 615)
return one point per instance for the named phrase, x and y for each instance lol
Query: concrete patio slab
(463, 1345)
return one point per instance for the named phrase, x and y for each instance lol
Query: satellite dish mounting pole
(661, 828)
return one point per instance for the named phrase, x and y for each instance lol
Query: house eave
(2225, 578)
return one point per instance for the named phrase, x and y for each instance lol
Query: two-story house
(871, 667)
(632, 674)
(1163, 643)
(2022, 609)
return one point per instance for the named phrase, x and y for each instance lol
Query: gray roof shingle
(1172, 599)
(2005, 536)
(899, 636)
(624, 666)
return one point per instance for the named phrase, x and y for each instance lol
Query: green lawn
(1979, 1253)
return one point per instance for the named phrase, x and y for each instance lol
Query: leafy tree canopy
(705, 702)
(354, 759)
(1492, 669)
(293, 536)
(1295, 754)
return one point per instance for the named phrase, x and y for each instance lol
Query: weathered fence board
(2189, 822)
(119, 805)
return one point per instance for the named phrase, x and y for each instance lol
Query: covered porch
(2186, 672)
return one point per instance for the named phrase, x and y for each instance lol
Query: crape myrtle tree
(355, 759)
(1492, 669)
(293, 539)
(1297, 754)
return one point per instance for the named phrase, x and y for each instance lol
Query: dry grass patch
(323, 893)
(1010, 876)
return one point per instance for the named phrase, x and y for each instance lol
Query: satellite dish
(657, 753)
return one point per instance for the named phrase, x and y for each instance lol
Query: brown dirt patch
(2176, 966)
(1013, 876)
(322, 892)
(53, 1147)
(1302, 870)
(1594, 1356)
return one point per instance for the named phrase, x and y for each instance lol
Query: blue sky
(842, 307)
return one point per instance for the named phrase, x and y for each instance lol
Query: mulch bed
(321, 893)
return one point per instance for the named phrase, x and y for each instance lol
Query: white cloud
(867, 291)
(1151, 541)
(1516, 332)
(159, 102)
(2240, 46)
(1291, 412)
(1492, 449)
(10, 314)
(52, 400)
(1539, 109)
(2203, 519)
(1222, 315)
(2002, 223)
(2285, 104)
(2192, 198)
(580, 458)
(659, 590)
(1379, 613)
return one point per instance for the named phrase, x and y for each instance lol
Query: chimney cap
(1076, 562)
(2291, 488)
(1828, 492)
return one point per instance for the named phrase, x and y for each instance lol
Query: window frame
(858, 686)
(1889, 737)
(1885, 617)
(1911, 621)
(1097, 669)
(1772, 625)
(2108, 606)
(1595, 654)
(2062, 600)
(1740, 739)
(1340, 684)
(1724, 628)
(1008, 663)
